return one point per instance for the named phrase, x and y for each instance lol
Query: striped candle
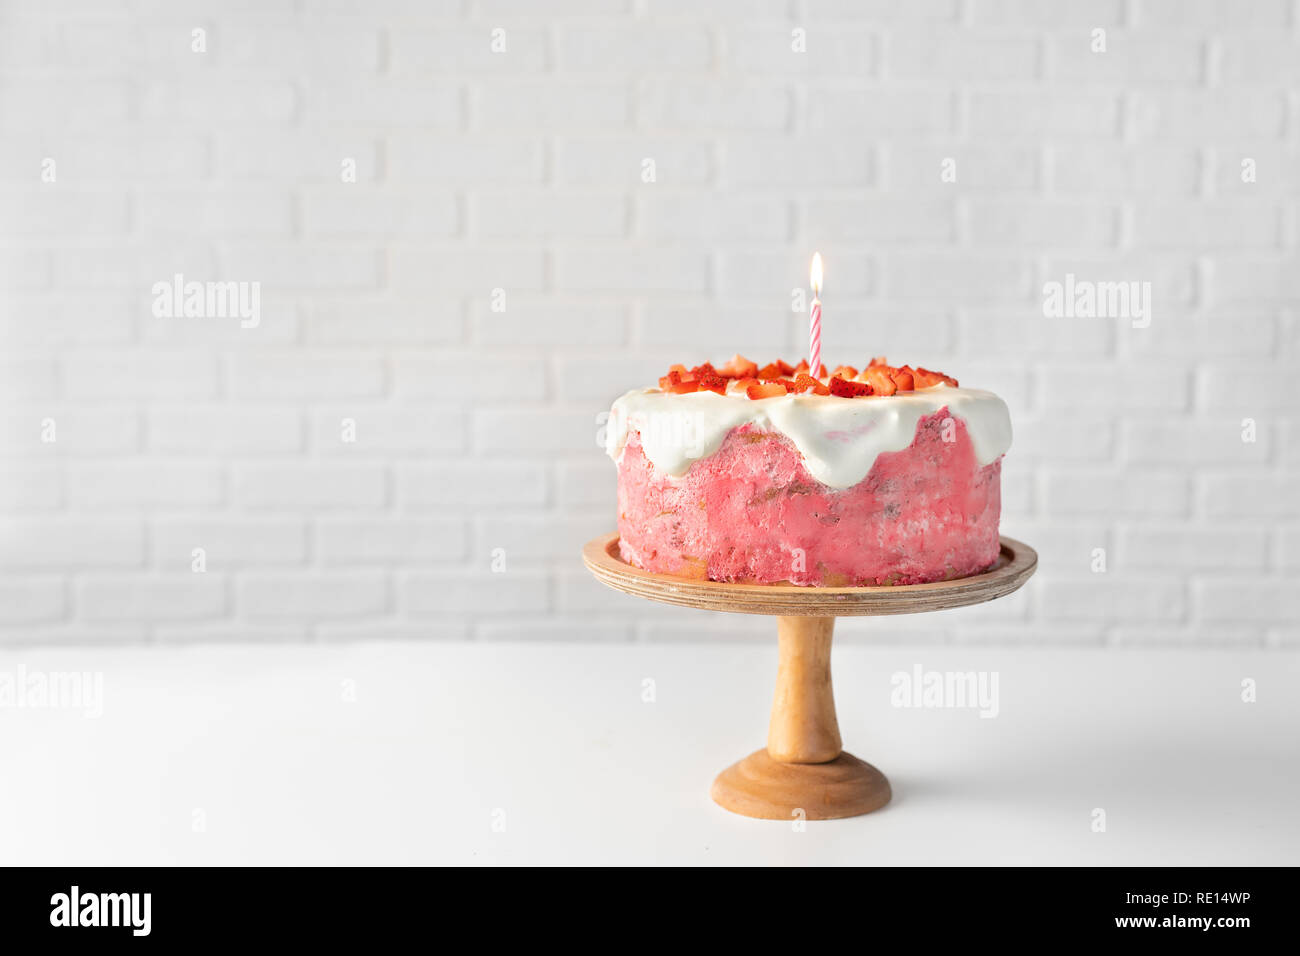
(815, 318)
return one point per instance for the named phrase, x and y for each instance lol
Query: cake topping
(839, 422)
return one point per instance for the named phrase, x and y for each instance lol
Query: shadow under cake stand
(803, 767)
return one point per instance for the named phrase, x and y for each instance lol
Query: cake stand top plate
(1015, 564)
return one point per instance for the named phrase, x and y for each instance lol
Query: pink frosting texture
(751, 512)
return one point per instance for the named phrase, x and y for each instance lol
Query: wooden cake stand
(803, 767)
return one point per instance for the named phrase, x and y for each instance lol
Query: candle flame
(815, 276)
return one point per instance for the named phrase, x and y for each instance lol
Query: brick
(786, 161)
(1064, 547)
(1173, 441)
(620, 161)
(629, 269)
(1289, 548)
(373, 322)
(468, 50)
(1108, 597)
(1032, 116)
(274, 321)
(290, 50)
(160, 597)
(872, 220)
(30, 488)
(58, 211)
(661, 215)
(1036, 13)
(1275, 169)
(385, 431)
(999, 331)
(895, 111)
(228, 541)
(592, 486)
(356, 210)
(538, 537)
(306, 487)
(307, 155)
(27, 378)
(417, 269)
(133, 268)
(969, 278)
(478, 593)
(76, 431)
(596, 47)
(1241, 279)
(294, 375)
(203, 101)
(314, 266)
(1199, 14)
(1203, 224)
(295, 596)
(566, 215)
(1151, 389)
(599, 383)
(60, 104)
(758, 328)
(224, 213)
(1168, 547)
(63, 542)
(777, 273)
(1042, 223)
(24, 269)
(1132, 58)
(136, 485)
(1249, 496)
(30, 600)
(1172, 277)
(44, 324)
(768, 50)
(384, 104)
(978, 168)
(531, 321)
(1246, 599)
(400, 541)
(224, 430)
(754, 9)
(459, 378)
(1054, 439)
(445, 485)
(532, 106)
(1105, 170)
(419, 158)
(900, 334)
(1202, 636)
(960, 55)
(1235, 332)
(1232, 113)
(1079, 491)
(549, 431)
(712, 105)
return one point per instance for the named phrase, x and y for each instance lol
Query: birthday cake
(888, 475)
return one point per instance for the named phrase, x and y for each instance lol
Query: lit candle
(815, 318)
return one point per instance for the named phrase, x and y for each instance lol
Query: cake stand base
(803, 772)
(759, 786)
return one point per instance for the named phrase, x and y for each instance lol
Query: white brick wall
(357, 464)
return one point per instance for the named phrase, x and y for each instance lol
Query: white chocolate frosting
(839, 438)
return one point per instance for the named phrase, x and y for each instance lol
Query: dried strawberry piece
(925, 378)
(739, 367)
(847, 389)
(743, 383)
(878, 360)
(880, 380)
(801, 369)
(803, 382)
(771, 371)
(712, 382)
(785, 367)
(902, 378)
(678, 383)
(846, 371)
(765, 390)
(704, 369)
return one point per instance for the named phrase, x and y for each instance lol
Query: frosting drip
(839, 438)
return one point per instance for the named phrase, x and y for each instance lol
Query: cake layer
(838, 438)
(754, 510)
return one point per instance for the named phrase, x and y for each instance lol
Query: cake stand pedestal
(803, 769)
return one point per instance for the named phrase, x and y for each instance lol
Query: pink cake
(888, 476)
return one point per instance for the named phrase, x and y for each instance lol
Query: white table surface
(258, 746)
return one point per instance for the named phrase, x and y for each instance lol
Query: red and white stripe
(815, 337)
